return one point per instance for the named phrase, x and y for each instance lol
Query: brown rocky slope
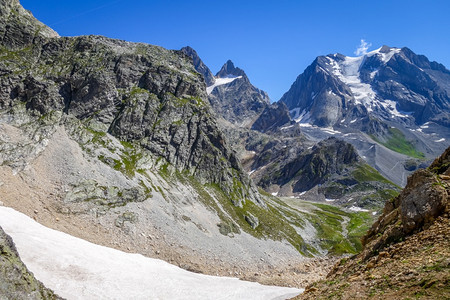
(407, 251)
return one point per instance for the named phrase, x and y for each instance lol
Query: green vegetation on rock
(398, 143)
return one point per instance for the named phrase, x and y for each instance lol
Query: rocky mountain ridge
(277, 155)
(386, 83)
(391, 104)
(234, 98)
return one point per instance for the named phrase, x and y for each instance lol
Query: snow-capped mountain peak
(347, 69)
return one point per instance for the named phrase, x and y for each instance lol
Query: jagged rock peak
(229, 69)
(199, 65)
(18, 27)
(386, 49)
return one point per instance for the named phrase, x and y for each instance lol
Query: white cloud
(363, 47)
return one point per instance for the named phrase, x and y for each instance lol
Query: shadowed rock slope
(406, 252)
(16, 282)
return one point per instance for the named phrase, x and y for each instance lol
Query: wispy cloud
(363, 47)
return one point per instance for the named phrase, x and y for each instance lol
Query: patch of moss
(398, 143)
(328, 223)
(367, 173)
(359, 224)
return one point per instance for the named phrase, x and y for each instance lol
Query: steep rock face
(239, 103)
(417, 85)
(317, 96)
(199, 65)
(138, 93)
(18, 27)
(234, 98)
(16, 281)
(273, 117)
(327, 158)
(331, 169)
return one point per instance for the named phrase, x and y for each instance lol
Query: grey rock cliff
(199, 65)
(18, 27)
(238, 102)
(138, 93)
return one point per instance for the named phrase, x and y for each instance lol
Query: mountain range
(142, 149)
(390, 104)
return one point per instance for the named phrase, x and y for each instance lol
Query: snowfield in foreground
(77, 269)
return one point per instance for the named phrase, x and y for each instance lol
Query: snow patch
(77, 269)
(391, 107)
(356, 208)
(440, 141)
(286, 127)
(221, 81)
(330, 200)
(330, 130)
(347, 71)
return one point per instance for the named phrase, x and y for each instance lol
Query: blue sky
(273, 41)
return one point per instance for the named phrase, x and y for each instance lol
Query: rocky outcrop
(331, 169)
(199, 65)
(238, 101)
(273, 117)
(425, 197)
(17, 282)
(406, 252)
(138, 93)
(18, 27)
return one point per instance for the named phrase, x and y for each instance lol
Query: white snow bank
(356, 208)
(77, 269)
(440, 140)
(330, 130)
(221, 81)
